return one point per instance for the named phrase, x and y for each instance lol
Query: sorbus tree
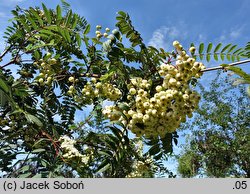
(61, 70)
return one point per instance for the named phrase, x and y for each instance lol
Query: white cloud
(10, 3)
(202, 38)
(3, 15)
(164, 36)
(233, 34)
(13, 1)
(157, 40)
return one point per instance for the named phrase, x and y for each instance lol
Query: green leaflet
(35, 14)
(87, 29)
(47, 13)
(32, 119)
(65, 5)
(75, 21)
(3, 86)
(230, 52)
(232, 58)
(3, 98)
(33, 23)
(201, 48)
(217, 47)
(68, 21)
(116, 132)
(105, 153)
(232, 48)
(247, 50)
(61, 31)
(49, 32)
(123, 14)
(208, 57)
(58, 13)
(24, 23)
(78, 40)
(155, 149)
(225, 48)
(237, 51)
(24, 168)
(215, 57)
(238, 71)
(125, 26)
(107, 75)
(222, 56)
(209, 48)
(39, 141)
(37, 55)
(67, 35)
(104, 166)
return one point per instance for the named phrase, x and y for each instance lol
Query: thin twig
(6, 51)
(9, 63)
(231, 64)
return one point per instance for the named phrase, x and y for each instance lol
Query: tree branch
(7, 64)
(5, 51)
(231, 64)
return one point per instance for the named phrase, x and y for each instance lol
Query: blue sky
(161, 21)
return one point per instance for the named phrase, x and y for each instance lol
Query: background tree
(220, 140)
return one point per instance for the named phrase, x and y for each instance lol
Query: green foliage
(245, 78)
(228, 52)
(238, 71)
(52, 40)
(189, 164)
(219, 146)
(125, 26)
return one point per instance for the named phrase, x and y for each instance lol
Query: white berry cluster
(141, 169)
(46, 74)
(99, 34)
(70, 152)
(113, 113)
(94, 89)
(110, 36)
(163, 111)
